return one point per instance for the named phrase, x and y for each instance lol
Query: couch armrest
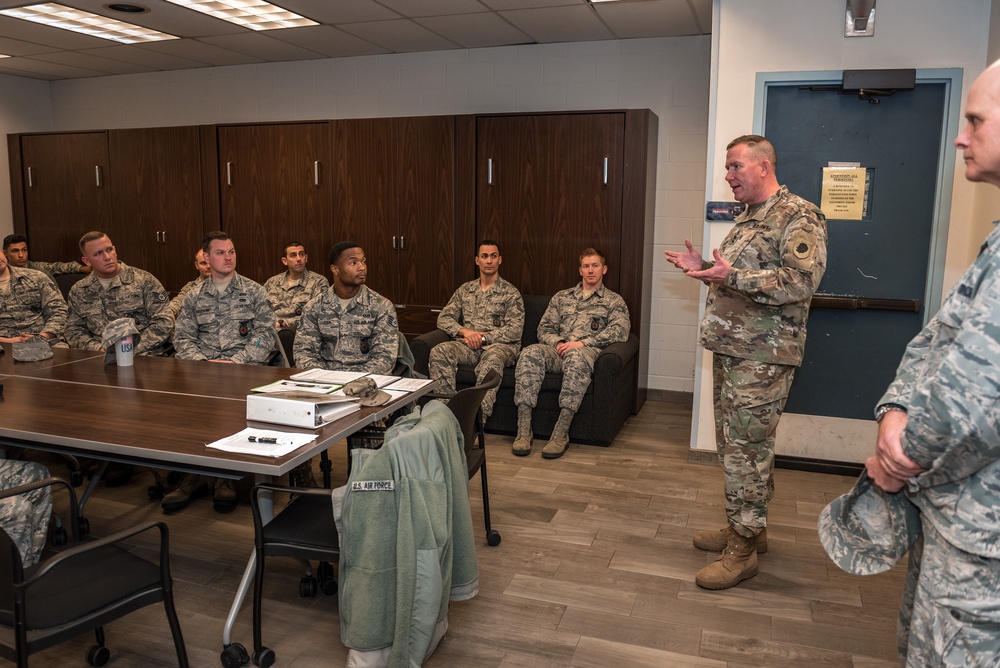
(616, 357)
(421, 348)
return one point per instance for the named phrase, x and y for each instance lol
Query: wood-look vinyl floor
(596, 569)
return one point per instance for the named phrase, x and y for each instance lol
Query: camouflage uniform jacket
(777, 250)
(597, 321)
(289, 300)
(237, 325)
(498, 311)
(33, 305)
(50, 269)
(949, 383)
(178, 300)
(133, 293)
(362, 337)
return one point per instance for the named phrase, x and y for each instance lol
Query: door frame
(952, 80)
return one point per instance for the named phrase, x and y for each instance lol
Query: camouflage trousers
(950, 615)
(536, 360)
(25, 517)
(749, 398)
(448, 356)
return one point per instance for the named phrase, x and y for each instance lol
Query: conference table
(159, 412)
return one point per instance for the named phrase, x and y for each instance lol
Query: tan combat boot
(715, 541)
(522, 444)
(738, 562)
(559, 440)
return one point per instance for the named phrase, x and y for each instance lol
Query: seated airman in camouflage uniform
(114, 290)
(764, 274)
(25, 517)
(204, 271)
(349, 327)
(30, 304)
(226, 319)
(577, 325)
(485, 317)
(291, 290)
(15, 246)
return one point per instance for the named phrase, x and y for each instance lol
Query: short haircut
(90, 236)
(12, 239)
(284, 250)
(759, 146)
(206, 243)
(488, 242)
(197, 256)
(339, 249)
(592, 251)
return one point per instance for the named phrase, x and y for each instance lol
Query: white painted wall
(24, 106)
(754, 36)
(670, 76)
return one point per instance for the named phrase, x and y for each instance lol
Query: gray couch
(606, 405)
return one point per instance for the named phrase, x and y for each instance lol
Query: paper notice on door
(843, 193)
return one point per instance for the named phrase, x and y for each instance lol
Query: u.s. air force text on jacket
(364, 336)
(132, 293)
(237, 325)
(777, 250)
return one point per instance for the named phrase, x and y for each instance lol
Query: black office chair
(67, 281)
(286, 343)
(466, 405)
(79, 589)
(304, 529)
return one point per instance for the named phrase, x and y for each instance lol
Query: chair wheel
(234, 656)
(98, 655)
(155, 491)
(493, 538)
(76, 478)
(58, 537)
(264, 657)
(84, 525)
(308, 586)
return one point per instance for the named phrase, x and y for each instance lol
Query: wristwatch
(885, 408)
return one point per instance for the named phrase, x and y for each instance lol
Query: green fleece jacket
(408, 545)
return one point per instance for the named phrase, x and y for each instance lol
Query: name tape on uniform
(373, 485)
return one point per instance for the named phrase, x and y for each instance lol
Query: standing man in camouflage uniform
(576, 326)
(114, 290)
(939, 438)
(204, 271)
(227, 319)
(15, 247)
(349, 327)
(764, 274)
(30, 304)
(25, 517)
(485, 317)
(291, 290)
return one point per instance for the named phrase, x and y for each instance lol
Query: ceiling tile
(261, 45)
(15, 47)
(703, 10)
(504, 5)
(412, 9)
(198, 51)
(559, 24)
(93, 62)
(476, 30)
(401, 36)
(139, 54)
(31, 67)
(648, 19)
(328, 41)
(340, 11)
(59, 40)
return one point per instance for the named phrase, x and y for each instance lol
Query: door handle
(605, 171)
(97, 175)
(229, 174)
(316, 173)
(489, 171)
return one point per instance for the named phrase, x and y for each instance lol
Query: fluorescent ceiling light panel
(67, 18)
(252, 14)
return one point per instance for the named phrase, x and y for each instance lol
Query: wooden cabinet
(157, 192)
(60, 190)
(275, 187)
(394, 193)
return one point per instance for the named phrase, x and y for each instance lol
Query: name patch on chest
(373, 485)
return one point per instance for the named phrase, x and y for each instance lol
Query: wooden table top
(159, 411)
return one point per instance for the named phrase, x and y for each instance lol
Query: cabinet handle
(605, 171)
(402, 243)
(316, 173)
(157, 236)
(393, 242)
(97, 175)
(489, 171)
(229, 174)
(163, 235)
(31, 181)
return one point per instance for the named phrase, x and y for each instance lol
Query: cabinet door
(275, 189)
(365, 158)
(157, 200)
(549, 186)
(426, 210)
(66, 191)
